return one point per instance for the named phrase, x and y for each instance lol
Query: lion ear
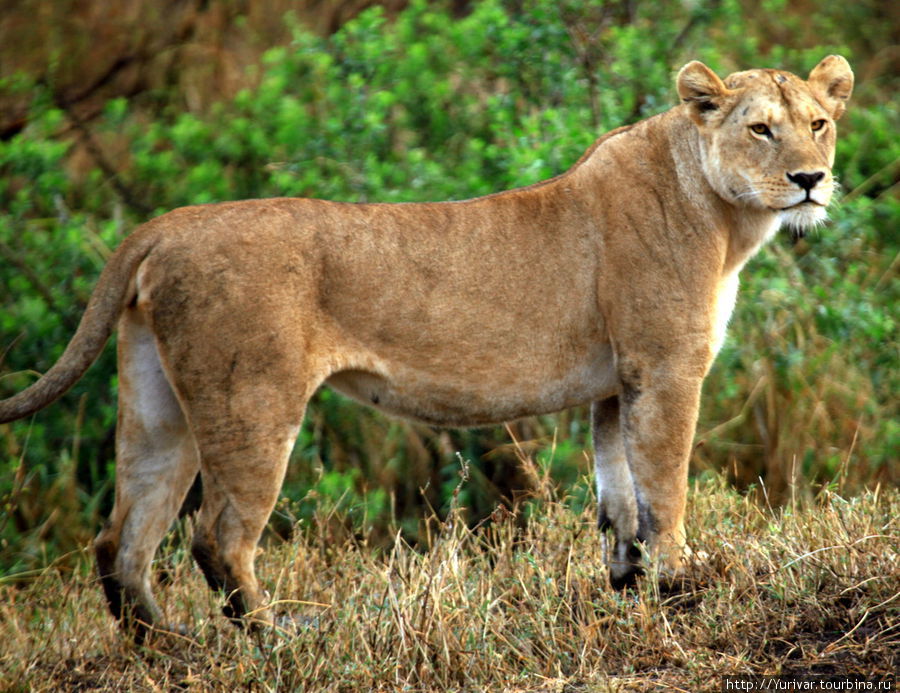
(831, 82)
(702, 89)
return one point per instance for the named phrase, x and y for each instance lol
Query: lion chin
(802, 218)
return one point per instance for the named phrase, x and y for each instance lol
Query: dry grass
(512, 605)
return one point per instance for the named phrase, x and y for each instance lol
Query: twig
(892, 169)
(128, 196)
(42, 289)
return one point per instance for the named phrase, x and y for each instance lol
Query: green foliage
(432, 106)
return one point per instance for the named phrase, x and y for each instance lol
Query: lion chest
(723, 307)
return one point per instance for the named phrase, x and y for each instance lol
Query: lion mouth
(798, 205)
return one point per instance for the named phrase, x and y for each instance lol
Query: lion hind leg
(240, 487)
(156, 463)
(617, 504)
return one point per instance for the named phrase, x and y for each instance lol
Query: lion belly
(471, 397)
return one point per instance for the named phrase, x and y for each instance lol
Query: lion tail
(113, 292)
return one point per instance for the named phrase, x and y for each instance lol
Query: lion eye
(817, 125)
(761, 129)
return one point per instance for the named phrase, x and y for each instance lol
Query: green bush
(432, 106)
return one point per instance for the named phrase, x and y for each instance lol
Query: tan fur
(612, 284)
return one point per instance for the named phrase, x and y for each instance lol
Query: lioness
(612, 284)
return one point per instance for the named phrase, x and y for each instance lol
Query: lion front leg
(659, 414)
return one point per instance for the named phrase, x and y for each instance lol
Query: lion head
(767, 136)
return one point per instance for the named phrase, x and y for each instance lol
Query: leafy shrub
(432, 106)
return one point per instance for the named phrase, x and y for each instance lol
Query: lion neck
(742, 228)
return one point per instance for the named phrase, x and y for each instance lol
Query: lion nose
(807, 181)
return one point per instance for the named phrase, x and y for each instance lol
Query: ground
(516, 603)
